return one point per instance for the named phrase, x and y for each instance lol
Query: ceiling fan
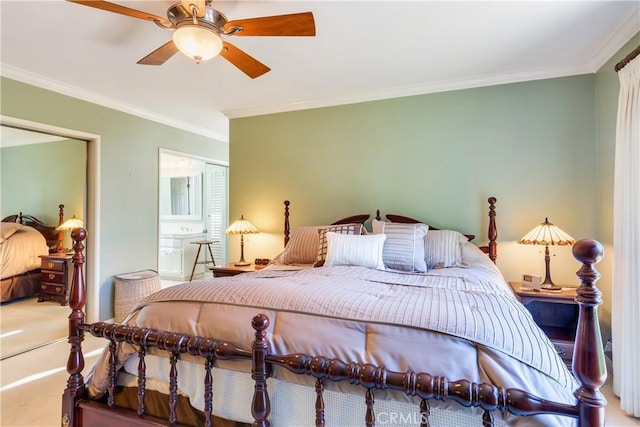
(198, 29)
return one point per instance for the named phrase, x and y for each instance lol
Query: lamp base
(241, 264)
(550, 287)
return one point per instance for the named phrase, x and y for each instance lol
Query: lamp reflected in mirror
(66, 227)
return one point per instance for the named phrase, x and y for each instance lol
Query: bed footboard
(78, 410)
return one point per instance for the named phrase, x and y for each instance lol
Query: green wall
(128, 172)
(35, 180)
(437, 157)
(543, 148)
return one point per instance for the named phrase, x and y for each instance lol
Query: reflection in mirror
(180, 187)
(34, 181)
(184, 195)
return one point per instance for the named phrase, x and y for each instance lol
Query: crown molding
(412, 90)
(617, 40)
(105, 101)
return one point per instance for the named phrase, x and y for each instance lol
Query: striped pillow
(442, 248)
(358, 250)
(302, 247)
(321, 249)
(404, 246)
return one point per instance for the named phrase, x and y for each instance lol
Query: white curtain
(626, 243)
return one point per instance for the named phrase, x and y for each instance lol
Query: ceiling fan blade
(123, 10)
(160, 55)
(244, 62)
(296, 24)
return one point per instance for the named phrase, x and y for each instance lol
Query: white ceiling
(363, 50)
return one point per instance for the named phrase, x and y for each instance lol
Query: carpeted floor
(27, 324)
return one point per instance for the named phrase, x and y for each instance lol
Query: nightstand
(233, 270)
(56, 277)
(556, 313)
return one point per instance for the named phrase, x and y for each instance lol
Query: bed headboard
(408, 220)
(490, 249)
(354, 219)
(51, 235)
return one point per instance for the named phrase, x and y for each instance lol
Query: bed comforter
(458, 322)
(20, 249)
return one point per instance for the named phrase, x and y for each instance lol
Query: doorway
(193, 207)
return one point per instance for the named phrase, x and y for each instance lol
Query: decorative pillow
(442, 248)
(404, 246)
(302, 247)
(359, 250)
(321, 252)
(7, 229)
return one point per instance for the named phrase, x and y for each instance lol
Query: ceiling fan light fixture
(197, 42)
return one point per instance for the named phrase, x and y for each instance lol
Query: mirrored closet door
(35, 180)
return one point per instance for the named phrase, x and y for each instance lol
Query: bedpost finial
(260, 322)
(78, 234)
(588, 251)
(492, 200)
(287, 203)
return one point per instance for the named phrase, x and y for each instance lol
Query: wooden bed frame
(28, 283)
(490, 249)
(53, 237)
(78, 410)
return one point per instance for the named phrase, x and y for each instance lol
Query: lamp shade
(70, 224)
(197, 42)
(241, 226)
(547, 234)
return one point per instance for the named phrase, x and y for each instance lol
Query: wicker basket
(131, 289)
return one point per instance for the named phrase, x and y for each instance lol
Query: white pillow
(442, 248)
(353, 228)
(404, 246)
(355, 249)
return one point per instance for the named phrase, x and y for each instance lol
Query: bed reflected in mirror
(34, 182)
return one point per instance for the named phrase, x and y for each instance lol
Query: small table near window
(556, 313)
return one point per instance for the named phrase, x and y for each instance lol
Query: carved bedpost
(60, 232)
(287, 227)
(588, 355)
(75, 363)
(261, 406)
(493, 230)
